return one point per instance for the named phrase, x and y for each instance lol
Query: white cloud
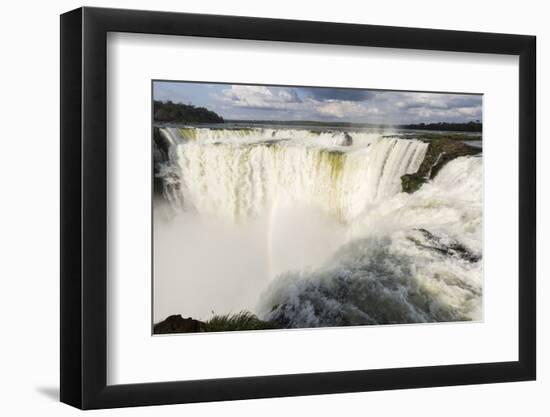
(285, 103)
(260, 96)
(340, 109)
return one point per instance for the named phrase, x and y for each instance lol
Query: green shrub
(240, 321)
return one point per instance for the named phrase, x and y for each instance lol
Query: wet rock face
(411, 182)
(160, 156)
(440, 151)
(348, 141)
(444, 247)
(177, 324)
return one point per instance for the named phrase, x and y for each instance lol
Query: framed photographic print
(258, 207)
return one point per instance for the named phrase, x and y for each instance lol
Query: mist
(206, 265)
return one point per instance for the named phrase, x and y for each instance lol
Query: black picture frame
(84, 207)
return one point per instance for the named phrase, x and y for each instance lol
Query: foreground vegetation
(224, 323)
(240, 321)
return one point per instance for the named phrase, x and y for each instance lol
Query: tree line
(170, 112)
(474, 126)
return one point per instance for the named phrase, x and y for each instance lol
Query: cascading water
(390, 257)
(415, 258)
(242, 173)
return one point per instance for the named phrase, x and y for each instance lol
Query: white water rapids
(311, 229)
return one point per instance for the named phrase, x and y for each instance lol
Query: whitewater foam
(393, 270)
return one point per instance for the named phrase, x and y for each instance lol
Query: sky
(261, 102)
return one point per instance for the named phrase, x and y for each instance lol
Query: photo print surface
(286, 207)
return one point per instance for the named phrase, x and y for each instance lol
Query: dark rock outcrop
(348, 140)
(160, 156)
(412, 182)
(177, 324)
(445, 248)
(439, 152)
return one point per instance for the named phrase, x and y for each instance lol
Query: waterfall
(420, 261)
(240, 173)
(309, 228)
